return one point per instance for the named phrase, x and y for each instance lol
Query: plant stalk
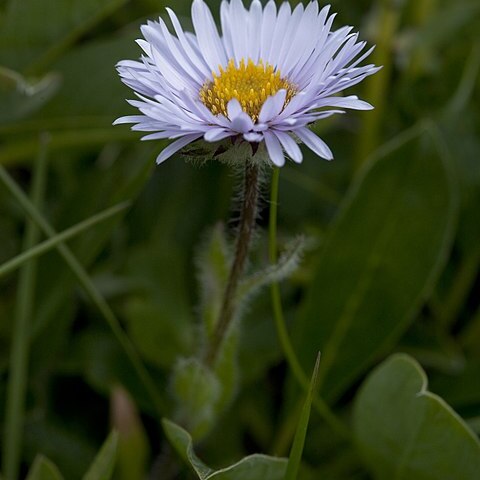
(293, 362)
(246, 227)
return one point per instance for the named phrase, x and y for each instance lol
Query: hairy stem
(246, 227)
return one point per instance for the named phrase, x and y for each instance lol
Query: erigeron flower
(270, 75)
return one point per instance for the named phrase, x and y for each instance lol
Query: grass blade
(94, 295)
(47, 245)
(20, 352)
(295, 458)
(323, 409)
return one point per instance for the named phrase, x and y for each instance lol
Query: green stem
(322, 408)
(95, 296)
(19, 356)
(245, 231)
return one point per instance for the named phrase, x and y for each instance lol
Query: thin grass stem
(93, 294)
(322, 408)
(44, 247)
(20, 352)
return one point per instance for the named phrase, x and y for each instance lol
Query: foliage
(379, 253)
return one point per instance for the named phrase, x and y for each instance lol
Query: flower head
(269, 76)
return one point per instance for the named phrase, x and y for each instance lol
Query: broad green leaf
(43, 469)
(406, 432)
(253, 467)
(106, 101)
(295, 458)
(182, 442)
(104, 463)
(380, 260)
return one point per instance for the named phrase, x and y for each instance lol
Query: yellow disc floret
(251, 84)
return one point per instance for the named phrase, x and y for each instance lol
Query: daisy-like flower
(269, 76)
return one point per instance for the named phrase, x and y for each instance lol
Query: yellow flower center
(251, 84)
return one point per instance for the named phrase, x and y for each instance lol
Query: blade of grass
(20, 151)
(19, 355)
(47, 245)
(94, 295)
(322, 408)
(295, 458)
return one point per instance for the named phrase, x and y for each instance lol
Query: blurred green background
(392, 228)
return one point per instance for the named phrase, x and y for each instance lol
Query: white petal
(189, 50)
(217, 134)
(268, 27)
(288, 36)
(176, 146)
(129, 119)
(272, 107)
(281, 27)
(274, 149)
(290, 146)
(314, 143)
(253, 137)
(238, 26)
(302, 45)
(234, 108)
(351, 102)
(207, 35)
(226, 30)
(242, 123)
(255, 16)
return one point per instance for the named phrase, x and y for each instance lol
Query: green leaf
(197, 391)
(226, 368)
(253, 467)
(285, 266)
(213, 264)
(43, 469)
(295, 458)
(104, 463)
(380, 260)
(406, 432)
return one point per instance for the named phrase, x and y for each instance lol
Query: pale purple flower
(269, 76)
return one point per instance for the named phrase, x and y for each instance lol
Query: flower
(267, 78)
